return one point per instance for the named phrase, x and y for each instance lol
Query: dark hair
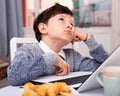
(47, 14)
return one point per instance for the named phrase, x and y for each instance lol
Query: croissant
(30, 90)
(58, 87)
(48, 89)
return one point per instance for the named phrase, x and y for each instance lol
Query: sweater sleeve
(98, 56)
(29, 63)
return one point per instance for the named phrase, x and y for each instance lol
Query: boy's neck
(55, 46)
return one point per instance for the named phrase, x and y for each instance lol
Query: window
(86, 12)
(92, 13)
(28, 13)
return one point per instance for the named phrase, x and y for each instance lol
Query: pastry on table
(48, 89)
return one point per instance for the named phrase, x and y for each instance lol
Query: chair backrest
(15, 41)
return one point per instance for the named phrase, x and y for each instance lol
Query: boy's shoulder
(29, 47)
(33, 49)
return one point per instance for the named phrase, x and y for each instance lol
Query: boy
(54, 28)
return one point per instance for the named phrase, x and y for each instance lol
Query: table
(14, 91)
(94, 92)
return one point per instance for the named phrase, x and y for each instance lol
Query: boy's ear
(42, 28)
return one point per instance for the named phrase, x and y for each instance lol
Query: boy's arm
(97, 51)
(28, 65)
(98, 54)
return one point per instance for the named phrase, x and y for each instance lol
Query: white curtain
(10, 23)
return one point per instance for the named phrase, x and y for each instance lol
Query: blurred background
(98, 17)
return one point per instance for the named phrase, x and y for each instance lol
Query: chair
(15, 41)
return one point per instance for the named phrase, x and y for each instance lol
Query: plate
(20, 92)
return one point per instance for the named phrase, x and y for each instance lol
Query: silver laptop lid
(91, 82)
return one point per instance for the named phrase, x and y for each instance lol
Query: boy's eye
(72, 24)
(61, 19)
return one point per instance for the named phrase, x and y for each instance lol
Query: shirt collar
(46, 49)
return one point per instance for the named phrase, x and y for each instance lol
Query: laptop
(85, 80)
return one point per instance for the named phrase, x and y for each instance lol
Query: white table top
(94, 92)
(16, 91)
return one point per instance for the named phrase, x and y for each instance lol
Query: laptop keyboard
(74, 80)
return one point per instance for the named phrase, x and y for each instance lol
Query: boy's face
(60, 28)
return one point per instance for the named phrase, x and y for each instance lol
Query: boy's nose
(69, 26)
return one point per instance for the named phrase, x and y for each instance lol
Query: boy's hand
(80, 36)
(62, 66)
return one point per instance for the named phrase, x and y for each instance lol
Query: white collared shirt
(46, 49)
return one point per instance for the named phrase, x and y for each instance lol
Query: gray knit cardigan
(30, 62)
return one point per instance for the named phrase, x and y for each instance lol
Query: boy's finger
(68, 69)
(63, 72)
